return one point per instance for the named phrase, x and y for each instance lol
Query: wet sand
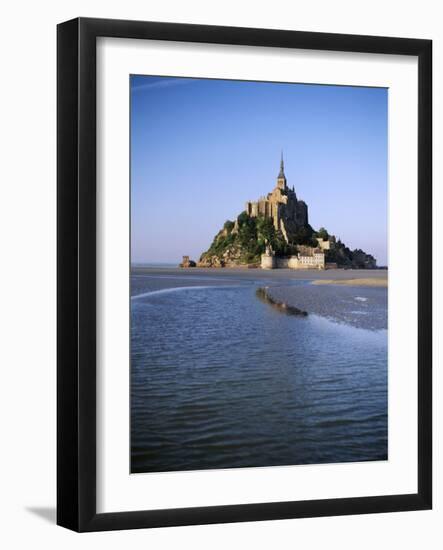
(353, 297)
(370, 282)
(360, 307)
(331, 275)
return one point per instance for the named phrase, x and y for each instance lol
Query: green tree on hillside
(323, 234)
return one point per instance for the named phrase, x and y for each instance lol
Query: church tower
(281, 178)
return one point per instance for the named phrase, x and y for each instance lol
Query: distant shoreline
(370, 281)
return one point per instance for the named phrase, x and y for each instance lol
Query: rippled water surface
(220, 379)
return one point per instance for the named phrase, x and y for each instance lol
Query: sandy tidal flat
(360, 307)
(370, 281)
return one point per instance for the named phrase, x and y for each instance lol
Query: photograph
(222, 312)
(259, 274)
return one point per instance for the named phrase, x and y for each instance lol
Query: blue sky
(201, 148)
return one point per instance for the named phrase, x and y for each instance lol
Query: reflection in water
(220, 379)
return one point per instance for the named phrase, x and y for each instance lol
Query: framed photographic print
(244, 274)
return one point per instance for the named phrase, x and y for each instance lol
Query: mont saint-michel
(258, 313)
(274, 232)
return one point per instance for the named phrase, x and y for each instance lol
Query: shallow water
(220, 379)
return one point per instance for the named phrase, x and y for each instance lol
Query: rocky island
(274, 232)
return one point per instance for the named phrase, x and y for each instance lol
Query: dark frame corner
(76, 274)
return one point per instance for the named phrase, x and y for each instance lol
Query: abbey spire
(281, 178)
(282, 167)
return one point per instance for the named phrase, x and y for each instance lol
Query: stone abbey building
(287, 212)
(288, 215)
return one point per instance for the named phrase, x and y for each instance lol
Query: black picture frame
(76, 280)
